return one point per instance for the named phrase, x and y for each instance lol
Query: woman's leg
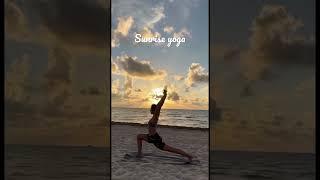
(140, 138)
(177, 151)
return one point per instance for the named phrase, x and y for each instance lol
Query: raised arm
(160, 103)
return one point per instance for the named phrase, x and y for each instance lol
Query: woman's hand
(164, 92)
(160, 103)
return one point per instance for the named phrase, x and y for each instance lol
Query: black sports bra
(150, 124)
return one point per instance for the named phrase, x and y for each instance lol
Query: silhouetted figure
(153, 137)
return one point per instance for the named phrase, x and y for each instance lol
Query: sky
(56, 72)
(262, 58)
(141, 71)
(262, 92)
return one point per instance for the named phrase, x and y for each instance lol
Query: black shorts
(156, 140)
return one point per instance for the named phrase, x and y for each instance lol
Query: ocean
(23, 162)
(170, 117)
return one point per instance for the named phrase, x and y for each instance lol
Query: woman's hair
(153, 107)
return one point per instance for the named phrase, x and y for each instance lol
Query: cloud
(114, 67)
(178, 78)
(174, 96)
(138, 90)
(56, 102)
(148, 16)
(122, 30)
(17, 80)
(115, 88)
(48, 105)
(139, 69)
(199, 101)
(63, 29)
(128, 86)
(16, 24)
(59, 70)
(225, 53)
(94, 91)
(16, 111)
(196, 75)
(183, 33)
(59, 22)
(156, 15)
(67, 21)
(58, 81)
(168, 29)
(145, 99)
(115, 42)
(148, 33)
(124, 25)
(275, 41)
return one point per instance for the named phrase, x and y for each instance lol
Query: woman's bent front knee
(140, 136)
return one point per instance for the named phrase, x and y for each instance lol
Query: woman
(153, 137)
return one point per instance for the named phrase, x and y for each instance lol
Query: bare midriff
(152, 126)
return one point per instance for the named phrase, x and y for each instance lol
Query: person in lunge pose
(153, 137)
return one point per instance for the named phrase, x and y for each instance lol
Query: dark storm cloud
(141, 69)
(58, 81)
(76, 22)
(42, 104)
(59, 70)
(15, 21)
(55, 104)
(16, 113)
(232, 54)
(174, 96)
(27, 115)
(17, 79)
(275, 40)
(225, 53)
(94, 91)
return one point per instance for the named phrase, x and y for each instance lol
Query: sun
(156, 94)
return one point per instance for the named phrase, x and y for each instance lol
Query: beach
(85, 162)
(38, 162)
(244, 165)
(157, 164)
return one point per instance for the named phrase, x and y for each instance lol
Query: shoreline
(159, 125)
(162, 108)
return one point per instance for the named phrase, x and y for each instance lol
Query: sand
(157, 164)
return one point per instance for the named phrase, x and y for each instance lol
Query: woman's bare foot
(189, 159)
